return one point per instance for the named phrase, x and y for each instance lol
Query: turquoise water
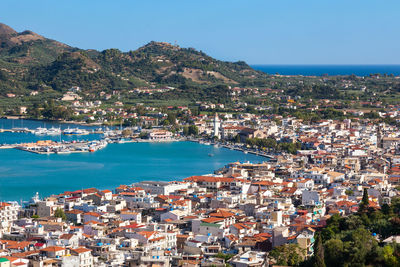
(319, 70)
(23, 173)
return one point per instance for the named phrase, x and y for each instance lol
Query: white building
(310, 198)
(217, 125)
(161, 188)
(160, 135)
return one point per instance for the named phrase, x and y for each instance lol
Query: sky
(256, 31)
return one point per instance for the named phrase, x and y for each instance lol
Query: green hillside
(29, 61)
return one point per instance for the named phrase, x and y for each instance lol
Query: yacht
(75, 131)
(53, 131)
(40, 131)
(63, 151)
(96, 145)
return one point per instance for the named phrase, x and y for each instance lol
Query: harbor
(115, 164)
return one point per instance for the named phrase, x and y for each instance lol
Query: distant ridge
(30, 61)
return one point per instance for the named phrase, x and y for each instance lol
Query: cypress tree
(364, 202)
(319, 259)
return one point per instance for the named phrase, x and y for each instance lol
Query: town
(199, 134)
(244, 214)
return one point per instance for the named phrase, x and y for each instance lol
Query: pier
(52, 147)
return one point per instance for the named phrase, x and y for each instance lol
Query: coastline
(54, 121)
(89, 170)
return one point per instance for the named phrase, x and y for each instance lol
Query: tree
(193, 130)
(288, 254)
(171, 119)
(319, 259)
(388, 257)
(126, 132)
(143, 135)
(59, 213)
(224, 256)
(334, 253)
(3, 76)
(365, 201)
(185, 131)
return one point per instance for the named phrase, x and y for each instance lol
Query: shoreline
(135, 179)
(55, 121)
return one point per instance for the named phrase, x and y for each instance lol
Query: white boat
(63, 151)
(40, 131)
(96, 145)
(110, 133)
(53, 131)
(75, 131)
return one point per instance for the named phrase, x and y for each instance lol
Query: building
(160, 135)
(216, 126)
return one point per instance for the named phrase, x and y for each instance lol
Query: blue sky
(256, 31)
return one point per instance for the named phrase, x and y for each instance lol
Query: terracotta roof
(52, 249)
(212, 220)
(147, 234)
(66, 236)
(81, 250)
(222, 214)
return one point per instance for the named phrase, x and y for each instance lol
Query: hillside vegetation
(29, 61)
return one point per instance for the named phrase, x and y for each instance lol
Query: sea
(22, 174)
(330, 70)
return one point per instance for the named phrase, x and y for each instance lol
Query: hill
(29, 61)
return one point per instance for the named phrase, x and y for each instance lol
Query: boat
(53, 131)
(75, 131)
(109, 133)
(96, 145)
(122, 141)
(63, 151)
(40, 131)
(211, 155)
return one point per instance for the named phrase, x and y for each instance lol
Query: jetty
(52, 147)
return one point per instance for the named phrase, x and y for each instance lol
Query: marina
(102, 158)
(108, 167)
